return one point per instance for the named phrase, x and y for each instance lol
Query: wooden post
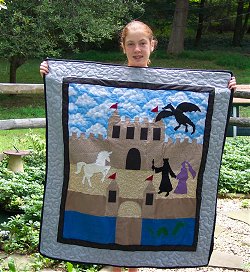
(22, 123)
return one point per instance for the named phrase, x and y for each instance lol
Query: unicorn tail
(79, 166)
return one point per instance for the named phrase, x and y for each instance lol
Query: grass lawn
(22, 106)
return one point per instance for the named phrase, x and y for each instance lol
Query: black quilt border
(139, 85)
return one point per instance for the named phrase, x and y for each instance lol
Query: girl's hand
(44, 68)
(232, 84)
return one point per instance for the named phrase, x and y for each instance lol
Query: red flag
(155, 109)
(114, 106)
(113, 176)
(150, 178)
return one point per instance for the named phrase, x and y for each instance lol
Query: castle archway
(128, 224)
(133, 161)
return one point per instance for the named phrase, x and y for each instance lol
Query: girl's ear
(152, 46)
(123, 49)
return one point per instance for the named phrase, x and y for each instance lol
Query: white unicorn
(97, 167)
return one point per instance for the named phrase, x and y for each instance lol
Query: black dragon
(179, 115)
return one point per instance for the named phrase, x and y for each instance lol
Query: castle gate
(133, 161)
(128, 224)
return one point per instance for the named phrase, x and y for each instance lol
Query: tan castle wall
(87, 149)
(162, 208)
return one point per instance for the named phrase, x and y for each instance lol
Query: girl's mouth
(137, 57)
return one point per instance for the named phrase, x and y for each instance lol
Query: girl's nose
(137, 48)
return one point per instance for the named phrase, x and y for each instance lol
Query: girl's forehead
(136, 34)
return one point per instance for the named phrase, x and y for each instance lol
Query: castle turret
(113, 125)
(149, 198)
(112, 201)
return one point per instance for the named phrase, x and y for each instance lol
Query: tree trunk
(200, 23)
(176, 42)
(238, 24)
(244, 28)
(15, 62)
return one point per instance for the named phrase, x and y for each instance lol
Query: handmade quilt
(133, 159)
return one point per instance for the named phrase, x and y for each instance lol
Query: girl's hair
(133, 25)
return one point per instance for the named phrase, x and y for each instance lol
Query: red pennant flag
(114, 106)
(155, 109)
(113, 176)
(150, 178)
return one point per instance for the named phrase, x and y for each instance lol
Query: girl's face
(138, 47)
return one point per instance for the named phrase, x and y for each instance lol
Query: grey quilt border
(49, 245)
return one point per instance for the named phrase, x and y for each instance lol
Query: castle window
(149, 199)
(144, 134)
(156, 134)
(112, 196)
(130, 133)
(116, 132)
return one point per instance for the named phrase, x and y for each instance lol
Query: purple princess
(183, 177)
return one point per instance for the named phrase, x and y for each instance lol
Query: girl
(137, 42)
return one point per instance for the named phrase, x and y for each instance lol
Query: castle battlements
(134, 144)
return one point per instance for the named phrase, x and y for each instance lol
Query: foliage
(23, 234)
(23, 193)
(12, 265)
(31, 29)
(245, 203)
(19, 190)
(40, 262)
(2, 5)
(88, 21)
(21, 31)
(218, 17)
(235, 169)
(10, 137)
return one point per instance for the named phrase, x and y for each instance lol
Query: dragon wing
(163, 114)
(186, 106)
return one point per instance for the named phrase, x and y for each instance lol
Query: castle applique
(128, 201)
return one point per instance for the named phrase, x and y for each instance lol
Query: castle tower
(133, 143)
(149, 201)
(113, 125)
(112, 200)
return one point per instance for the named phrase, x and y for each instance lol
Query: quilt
(133, 159)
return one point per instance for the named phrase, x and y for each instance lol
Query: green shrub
(235, 169)
(23, 193)
(18, 190)
(23, 234)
